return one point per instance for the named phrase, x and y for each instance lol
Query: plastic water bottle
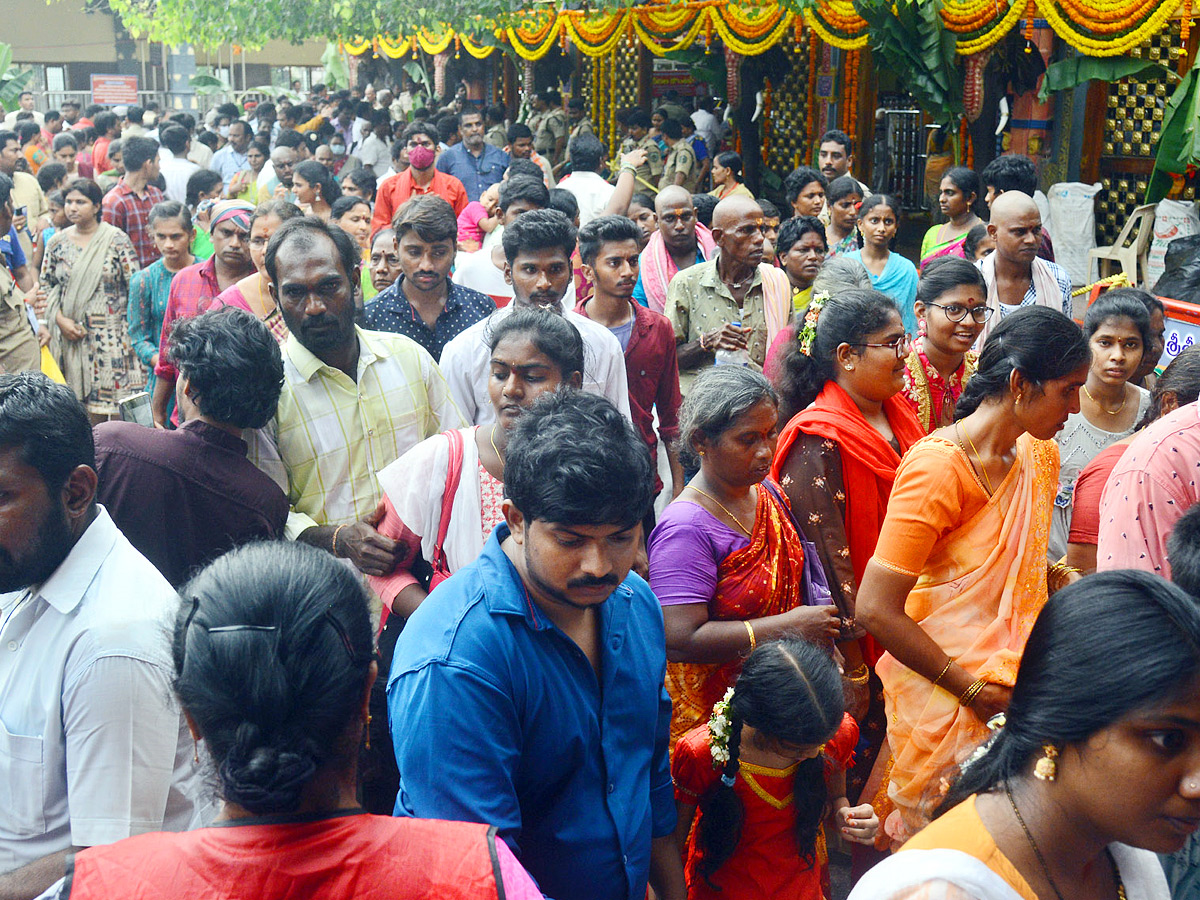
(733, 357)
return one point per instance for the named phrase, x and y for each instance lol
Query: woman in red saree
(726, 558)
(836, 461)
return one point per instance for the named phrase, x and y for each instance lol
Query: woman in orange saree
(958, 575)
(726, 559)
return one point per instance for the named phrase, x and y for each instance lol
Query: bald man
(1014, 273)
(705, 301)
(679, 243)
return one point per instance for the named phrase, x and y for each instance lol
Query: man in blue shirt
(473, 161)
(528, 694)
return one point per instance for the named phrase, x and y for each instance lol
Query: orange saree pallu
(977, 596)
(764, 578)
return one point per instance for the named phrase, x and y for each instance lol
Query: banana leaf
(1178, 148)
(1067, 74)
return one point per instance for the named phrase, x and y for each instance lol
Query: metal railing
(904, 157)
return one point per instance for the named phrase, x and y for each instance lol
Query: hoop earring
(1046, 769)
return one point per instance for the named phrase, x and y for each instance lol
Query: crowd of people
(514, 516)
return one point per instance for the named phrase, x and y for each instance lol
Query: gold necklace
(723, 507)
(1042, 860)
(982, 467)
(492, 438)
(1114, 412)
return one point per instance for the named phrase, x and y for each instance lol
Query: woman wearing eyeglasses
(959, 571)
(951, 309)
(836, 460)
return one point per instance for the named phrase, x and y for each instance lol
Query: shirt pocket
(21, 795)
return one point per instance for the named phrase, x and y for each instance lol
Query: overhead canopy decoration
(1093, 27)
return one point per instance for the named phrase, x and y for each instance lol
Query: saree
(764, 578)
(980, 565)
(868, 467)
(73, 298)
(932, 248)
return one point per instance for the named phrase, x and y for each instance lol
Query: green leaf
(1067, 74)
(1178, 142)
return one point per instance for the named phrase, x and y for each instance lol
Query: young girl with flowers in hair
(760, 776)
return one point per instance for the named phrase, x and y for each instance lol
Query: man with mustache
(529, 693)
(352, 401)
(421, 177)
(423, 303)
(608, 246)
(537, 263)
(94, 747)
(194, 288)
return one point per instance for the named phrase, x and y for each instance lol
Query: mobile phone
(20, 210)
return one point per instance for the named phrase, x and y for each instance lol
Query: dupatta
(977, 597)
(658, 268)
(868, 467)
(764, 578)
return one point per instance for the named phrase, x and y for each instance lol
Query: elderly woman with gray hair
(727, 561)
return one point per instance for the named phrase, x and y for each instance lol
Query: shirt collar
(308, 364)
(711, 279)
(504, 592)
(213, 435)
(65, 588)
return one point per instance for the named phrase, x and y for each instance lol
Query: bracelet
(861, 675)
(627, 168)
(750, 631)
(945, 669)
(333, 543)
(969, 695)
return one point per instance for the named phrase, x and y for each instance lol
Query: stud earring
(195, 753)
(1046, 769)
(848, 368)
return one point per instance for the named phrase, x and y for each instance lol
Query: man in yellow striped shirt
(352, 401)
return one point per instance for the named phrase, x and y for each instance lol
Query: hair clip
(727, 780)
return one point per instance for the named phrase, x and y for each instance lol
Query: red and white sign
(113, 90)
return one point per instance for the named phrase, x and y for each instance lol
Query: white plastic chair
(1138, 230)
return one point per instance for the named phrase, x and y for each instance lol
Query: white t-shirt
(591, 192)
(465, 364)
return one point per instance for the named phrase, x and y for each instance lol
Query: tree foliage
(12, 79)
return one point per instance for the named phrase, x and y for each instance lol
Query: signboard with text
(113, 90)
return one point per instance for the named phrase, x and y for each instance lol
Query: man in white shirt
(176, 168)
(537, 249)
(24, 104)
(591, 191)
(231, 158)
(93, 748)
(707, 124)
(373, 150)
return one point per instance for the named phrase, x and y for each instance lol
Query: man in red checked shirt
(419, 178)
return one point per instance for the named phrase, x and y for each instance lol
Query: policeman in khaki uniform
(580, 124)
(19, 349)
(550, 135)
(648, 174)
(681, 167)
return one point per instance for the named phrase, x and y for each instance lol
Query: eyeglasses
(956, 312)
(900, 346)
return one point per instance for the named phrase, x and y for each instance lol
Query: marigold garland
(1094, 27)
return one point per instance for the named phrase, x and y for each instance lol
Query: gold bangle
(750, 631)
(969, 695)
(333, 543)
(945, 669)
(861, 675)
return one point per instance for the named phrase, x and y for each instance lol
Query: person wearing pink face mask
(419, 178)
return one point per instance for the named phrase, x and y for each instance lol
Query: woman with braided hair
(274, 662)
(763, 774)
